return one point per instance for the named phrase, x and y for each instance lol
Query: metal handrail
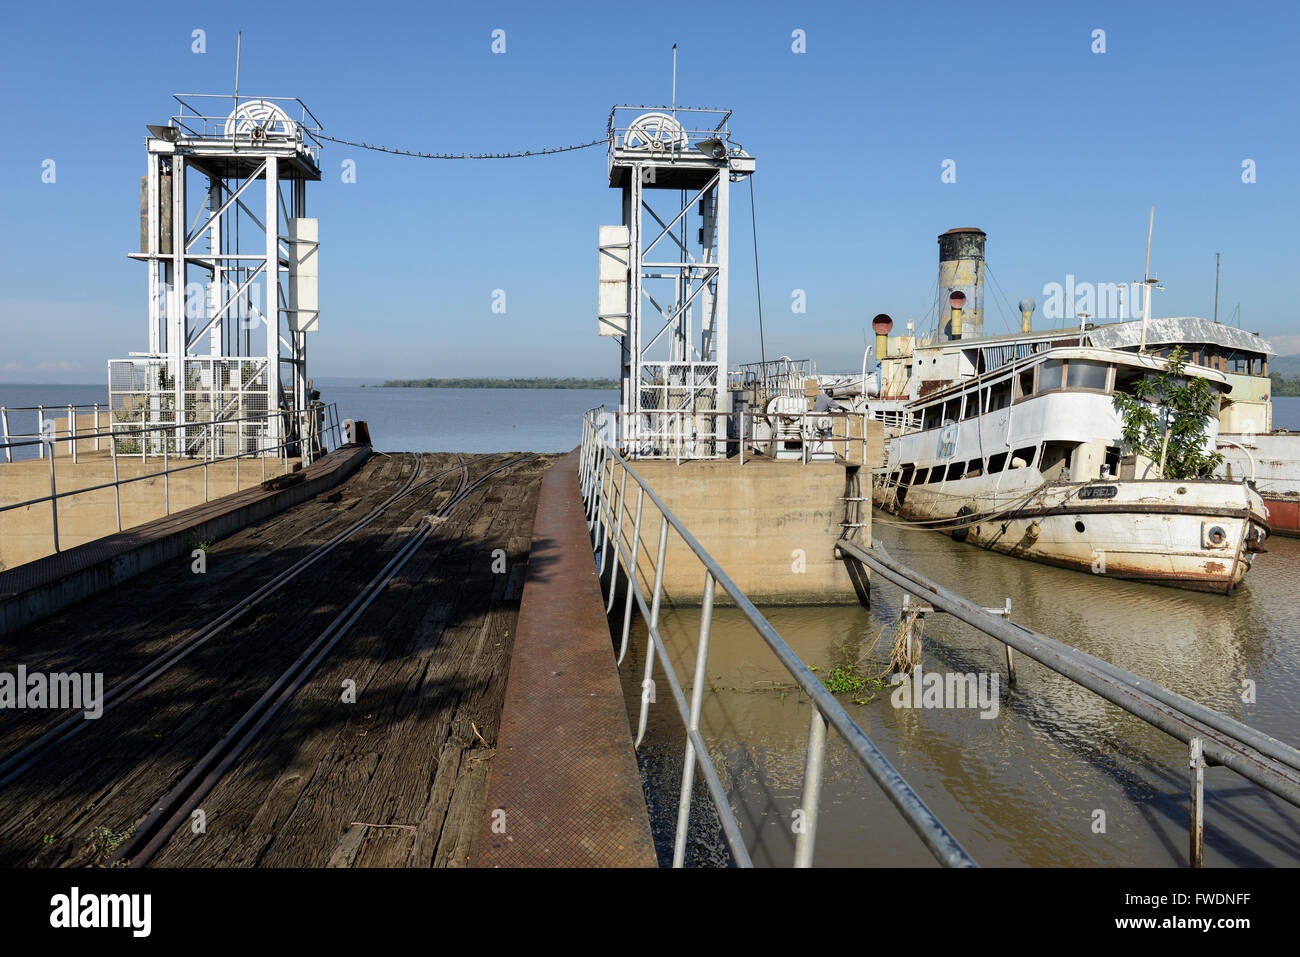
(73, 409)
(1260, 758)
(308, 434)
(598, 462)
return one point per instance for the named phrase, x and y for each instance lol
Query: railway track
(14, 765)
(176, 807)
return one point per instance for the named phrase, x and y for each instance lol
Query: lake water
(443, 420)
(400, 420)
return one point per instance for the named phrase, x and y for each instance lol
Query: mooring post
(1197, 833)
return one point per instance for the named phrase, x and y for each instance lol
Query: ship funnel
(881, 325)
(1027, 314)
(961, 269)
(956, 301)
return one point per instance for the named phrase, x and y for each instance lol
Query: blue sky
(1059, 154)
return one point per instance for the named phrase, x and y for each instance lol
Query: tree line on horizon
(535, 382)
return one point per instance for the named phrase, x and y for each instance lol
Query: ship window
(1110, 469)
(1125, 377)
(919, 478)
(974, 468)
(951, 411)
(997, 463)
(1000, 396)
(1088, 375)
(1051, 374)
(936, 474)
(1025, 455)
(973, 404)
(1056, 460)
(931, 418)
(1026, 383)
(956, 471)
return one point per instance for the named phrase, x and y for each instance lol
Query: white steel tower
(674, 260)
(232, 276)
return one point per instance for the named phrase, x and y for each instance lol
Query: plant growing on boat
(1165, 418)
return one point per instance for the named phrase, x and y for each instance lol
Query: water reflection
(1024, 788)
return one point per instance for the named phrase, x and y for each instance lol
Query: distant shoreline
(535, 383)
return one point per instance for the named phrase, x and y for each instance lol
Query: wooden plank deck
(395, 778)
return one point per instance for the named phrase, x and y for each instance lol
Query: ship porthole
(1078, 527)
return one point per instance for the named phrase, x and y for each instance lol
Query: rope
(462, 156)
(947, 524)
(758, 285)
(1007, 316)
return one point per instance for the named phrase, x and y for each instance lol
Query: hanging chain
(463, 156)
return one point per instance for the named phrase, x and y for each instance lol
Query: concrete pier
(772, 525)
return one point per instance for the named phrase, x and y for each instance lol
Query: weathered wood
(428, 659)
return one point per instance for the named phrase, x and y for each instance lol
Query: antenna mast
(674, 79)
(1216, 287)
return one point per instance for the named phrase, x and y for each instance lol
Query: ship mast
(1149, 283)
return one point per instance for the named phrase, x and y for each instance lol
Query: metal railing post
(167, 495)
(810, 802)
(117, 488)
(631, 574)
(96, 426)
(40, 428)
(618, 542)
(652, 628)
(4, 419)
(72, 432)
(1196, 837)
(697, 704)
(206, 458)
(54, 500)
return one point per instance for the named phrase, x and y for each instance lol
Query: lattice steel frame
(244, 169)
(698, 165)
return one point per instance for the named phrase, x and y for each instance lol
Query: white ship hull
(1193, 534)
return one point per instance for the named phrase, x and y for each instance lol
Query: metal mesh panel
(675, 398)
(216, 393)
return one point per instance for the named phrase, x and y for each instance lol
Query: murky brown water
(1021, 788)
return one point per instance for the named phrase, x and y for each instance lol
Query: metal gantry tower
(232, 273)
(664, 272)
